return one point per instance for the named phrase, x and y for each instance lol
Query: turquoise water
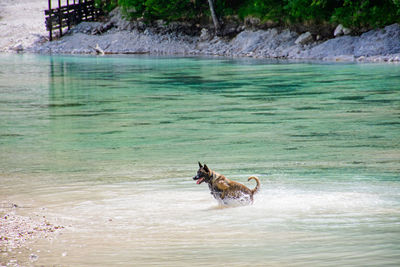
(107, 146)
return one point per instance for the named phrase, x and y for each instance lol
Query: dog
(225, 191)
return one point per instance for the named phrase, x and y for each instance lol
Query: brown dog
(225, 190)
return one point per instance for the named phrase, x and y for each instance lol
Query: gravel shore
(18, 232)
(117, 36)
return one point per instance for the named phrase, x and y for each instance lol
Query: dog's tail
(257, 188)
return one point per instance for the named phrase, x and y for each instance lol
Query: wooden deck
(69, 13)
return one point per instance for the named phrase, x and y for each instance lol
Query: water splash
(241, 200)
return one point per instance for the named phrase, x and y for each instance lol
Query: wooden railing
(69, 14)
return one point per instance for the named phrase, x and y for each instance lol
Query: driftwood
(99, 51)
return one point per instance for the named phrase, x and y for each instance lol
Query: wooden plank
(60, 16)
(50, 28)
(68, 21)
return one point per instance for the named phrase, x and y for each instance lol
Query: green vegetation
(351, 13)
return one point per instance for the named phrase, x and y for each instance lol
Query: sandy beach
(21, 24)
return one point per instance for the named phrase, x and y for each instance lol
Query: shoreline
(262, 44)
(118, 36)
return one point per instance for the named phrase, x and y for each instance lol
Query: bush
(367, 13)
(106, 5)
(132, 8)
(350, 13)
(159, 9)
(169, 10)
(309, 10)
(263, 9)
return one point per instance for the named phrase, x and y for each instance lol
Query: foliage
(350, 13)
(306, 10)
(106, 5)
(367, 13)
(159, 9)
(169, 10)
(133, 8)
(264, 9)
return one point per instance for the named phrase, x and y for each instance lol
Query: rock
(240, 28)
(160, 23)
(33, 257)
(379, 42)
(17, 48)
(338, 31)
(361, 59)
(346, 31)
(104, 28)
(229, 31)
(269, 43)
(343, 45)
(341, 30)
(147, 32)
(205, 35)
(251, 22)
(87, 27)
(230, 27)
(304, 38)
(340, 58)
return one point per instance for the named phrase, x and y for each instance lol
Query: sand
(21, 24)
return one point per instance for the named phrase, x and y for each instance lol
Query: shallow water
(107, 146)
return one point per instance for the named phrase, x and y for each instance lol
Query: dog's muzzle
(199, 179)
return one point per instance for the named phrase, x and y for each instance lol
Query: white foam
(297, 201)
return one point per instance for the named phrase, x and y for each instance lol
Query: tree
(214, 17)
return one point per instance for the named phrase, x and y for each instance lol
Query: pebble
(33, 257)
(16, 231)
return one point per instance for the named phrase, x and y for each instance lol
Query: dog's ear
(206, 168)
(201, 166)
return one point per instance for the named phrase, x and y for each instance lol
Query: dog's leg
(223, 195)
(223, 186)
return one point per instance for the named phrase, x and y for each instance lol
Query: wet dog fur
(225, 190)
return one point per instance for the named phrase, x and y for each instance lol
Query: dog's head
(203, 174)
